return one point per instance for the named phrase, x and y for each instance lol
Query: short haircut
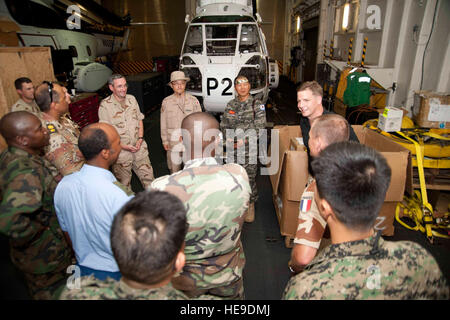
(353, 178)
(42, 97)
(314, 86)
(92, 141)
(113, 77)
(331, 128)
(147, 234)
(19, 81)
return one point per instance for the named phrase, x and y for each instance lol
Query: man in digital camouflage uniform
(248, 114)
(216, 197)
(62, 152)
(27, 217)
(25, 90)
(359, 264)
(121, 110)
(150, 228)
(325, 130)
(174, 109)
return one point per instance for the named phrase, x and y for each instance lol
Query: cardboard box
(391, 119)
(297, 144)
(432, 109)
(290, 180)
(292, 175)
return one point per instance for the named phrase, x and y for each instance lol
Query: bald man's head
(200, 129)
(98, 137)
(24, 130)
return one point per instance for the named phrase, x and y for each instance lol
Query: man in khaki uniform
(121, 110)
(25, 90)
(173, 110)
(53, 100)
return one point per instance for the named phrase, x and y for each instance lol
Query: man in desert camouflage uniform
(151, 228)
(325, 130)
(62, 152)
(247, 113)
(121, 110)
(25, 90)
(216, 197)
(174, 109)
(27, 217)
(360, 264)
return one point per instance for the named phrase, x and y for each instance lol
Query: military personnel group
(67, 204)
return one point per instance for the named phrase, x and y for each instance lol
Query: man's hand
(138, 144)
(129, 148)
(166, 146)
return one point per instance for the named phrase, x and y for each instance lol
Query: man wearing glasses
(63, 152)
(121, 110)
(174, 109)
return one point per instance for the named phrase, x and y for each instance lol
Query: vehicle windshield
(221, 39)
(194, 40)
(249, 39)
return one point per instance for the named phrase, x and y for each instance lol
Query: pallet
(435, 179)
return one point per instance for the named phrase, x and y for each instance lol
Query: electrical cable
(428, 41)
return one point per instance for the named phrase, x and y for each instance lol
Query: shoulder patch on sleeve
(262, 107)
(51, 128)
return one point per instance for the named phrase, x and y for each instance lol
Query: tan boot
(250, 215)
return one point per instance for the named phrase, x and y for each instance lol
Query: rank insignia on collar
(51, 128)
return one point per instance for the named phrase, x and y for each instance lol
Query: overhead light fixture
(345, 16)
(298, 24)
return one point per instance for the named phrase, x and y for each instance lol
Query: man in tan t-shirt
(25, 90)
(173, 110)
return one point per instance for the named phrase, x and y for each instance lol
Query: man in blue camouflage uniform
(248, 114)
(359, 264)
(216, 197)
(150, 228)
(27, 217)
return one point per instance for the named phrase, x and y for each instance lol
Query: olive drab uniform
(21, 105)
(247, 115)
(125, 118)
(371, 268)
(63, 152)
(216, 197)
(173, 110)
(27, 217)
(110, 289)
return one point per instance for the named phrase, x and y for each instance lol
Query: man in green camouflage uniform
(151, 228)
(359, 264)
(121, 110)
(62, 151)
(247, 113)
(27, 217)
(216, 197)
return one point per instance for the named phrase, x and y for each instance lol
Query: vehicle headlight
(255, 71)
(195, 76)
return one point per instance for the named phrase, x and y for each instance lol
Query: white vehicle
(41, 25)
(223, 41)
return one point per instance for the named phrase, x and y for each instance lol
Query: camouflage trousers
(142, 168)
(46, 286)
(233, 291)
(251, 169)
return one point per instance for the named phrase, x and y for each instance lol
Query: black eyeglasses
(50, 89)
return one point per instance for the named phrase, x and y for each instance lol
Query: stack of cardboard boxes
(292, 175)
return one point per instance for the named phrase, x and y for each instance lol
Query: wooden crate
(15, 62)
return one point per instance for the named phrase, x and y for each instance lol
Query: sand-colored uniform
(21, 105)
(173, 110)
(63, 152)
(125, 118)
